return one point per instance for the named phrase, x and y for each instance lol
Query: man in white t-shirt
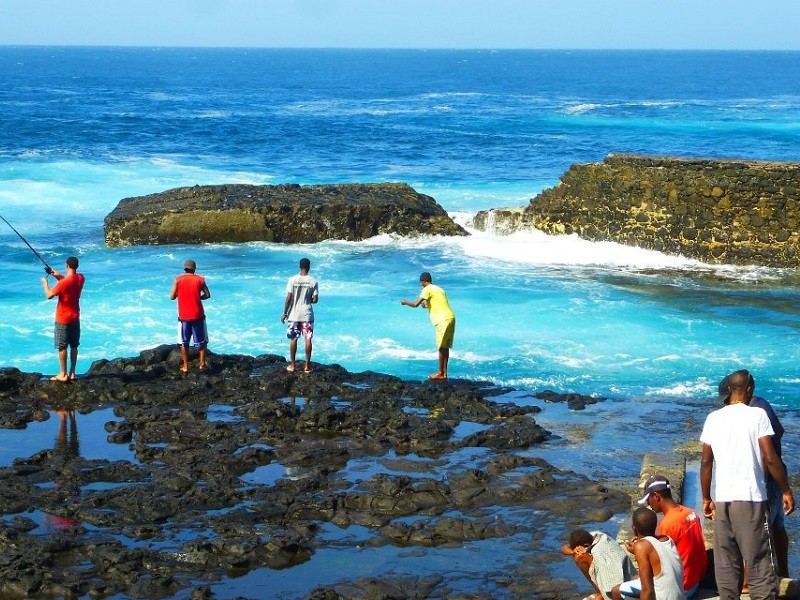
(738, 440)
(302, 291)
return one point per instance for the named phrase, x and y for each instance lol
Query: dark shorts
(300, 328)
(196, 330)
(775, 504)
(67, 334)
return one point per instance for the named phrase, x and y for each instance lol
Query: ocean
(82, 128)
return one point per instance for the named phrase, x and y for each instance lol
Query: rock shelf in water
(426, 470)
(292, 214)
(714, 210)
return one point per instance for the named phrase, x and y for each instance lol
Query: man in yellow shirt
(435, 300)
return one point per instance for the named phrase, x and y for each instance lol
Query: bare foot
(184, 370)
(307, 370)
(437, 376)
(61, 378)
(204, 367)
(290, 368)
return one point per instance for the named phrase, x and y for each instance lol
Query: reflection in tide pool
(300, 401)
(85, 432)
(222, 413)
(265, 474)
(466, 567)
(363, 469)
(467, 428)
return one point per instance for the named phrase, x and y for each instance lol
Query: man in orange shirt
(190, 290)
(682, 525)
(68, 324)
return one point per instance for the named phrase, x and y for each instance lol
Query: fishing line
(47, 268)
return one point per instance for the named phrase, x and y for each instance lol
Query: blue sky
(606, 24)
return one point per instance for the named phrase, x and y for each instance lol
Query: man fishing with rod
(68, 325)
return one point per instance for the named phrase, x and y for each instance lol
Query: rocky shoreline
(442, 465)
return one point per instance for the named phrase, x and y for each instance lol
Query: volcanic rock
(246, 468)
(292, 214)
(715, 210)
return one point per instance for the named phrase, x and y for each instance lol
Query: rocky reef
(292, 214)
(717, 211)
(247, 468)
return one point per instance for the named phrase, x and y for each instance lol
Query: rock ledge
(714, 210)
(290, 213)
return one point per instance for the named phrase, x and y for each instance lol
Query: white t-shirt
(302, 288)
(733, 432)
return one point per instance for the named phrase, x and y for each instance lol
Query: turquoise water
(84, 127)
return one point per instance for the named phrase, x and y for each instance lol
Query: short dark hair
(425, 276)
(667, 493)
(580, 537)
(741, 380)
(645, 521)
(305, 264)
(72, 262)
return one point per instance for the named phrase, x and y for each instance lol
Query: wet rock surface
(248, 468)
(719, 211)
(295, 214)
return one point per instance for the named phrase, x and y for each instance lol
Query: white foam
(388, 348)
(684, 389)
(538, 248)
(668, 357)
(581, 108)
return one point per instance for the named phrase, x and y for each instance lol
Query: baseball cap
(724, 389)
(656, 483)
(189, 264)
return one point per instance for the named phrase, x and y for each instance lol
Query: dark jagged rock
(717, 211)
(295, 214)
(574, 401)
(188, 509)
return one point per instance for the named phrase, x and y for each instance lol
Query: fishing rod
(47, 268)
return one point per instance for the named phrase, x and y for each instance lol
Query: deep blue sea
(82, 128)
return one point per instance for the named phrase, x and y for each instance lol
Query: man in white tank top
(660, 567)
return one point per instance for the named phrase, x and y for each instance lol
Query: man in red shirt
(684, 527)
(68, 324)
(190, 290)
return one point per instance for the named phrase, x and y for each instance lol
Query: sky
(495, 24)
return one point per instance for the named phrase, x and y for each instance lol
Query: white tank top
(669, 583)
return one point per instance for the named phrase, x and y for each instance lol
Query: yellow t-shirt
(438, 305)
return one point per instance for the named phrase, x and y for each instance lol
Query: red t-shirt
(683, 525)
(68, 289)
(190, 307)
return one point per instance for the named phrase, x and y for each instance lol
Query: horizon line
(398, 48)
